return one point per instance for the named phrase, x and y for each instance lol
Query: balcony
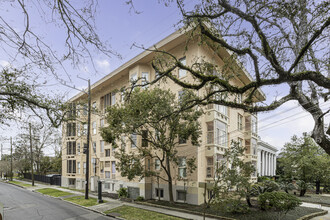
(213, 114)
(251, 157)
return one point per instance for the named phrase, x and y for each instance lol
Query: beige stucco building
(219, 126)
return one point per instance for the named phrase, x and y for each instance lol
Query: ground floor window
(106, 185)
(72, 181)
(159, 193)
(181, 195)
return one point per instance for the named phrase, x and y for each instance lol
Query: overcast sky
(122, 28)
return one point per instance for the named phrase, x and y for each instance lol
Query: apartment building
(219, 126)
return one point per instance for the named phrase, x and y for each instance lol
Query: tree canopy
(154, 127)
(279, 42)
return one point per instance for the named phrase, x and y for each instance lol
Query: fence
(53, 179)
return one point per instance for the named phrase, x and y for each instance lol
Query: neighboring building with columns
(266, 159)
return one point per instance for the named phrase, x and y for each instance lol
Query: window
(145, 79)
(238, 98)
(182, 72)
(78, 148)
(149, 165)
(113, 167)
(133, 140)
(78, 130)
(254, 146)
(84, 168)
(254, 125)
(182, 169)
(144, 138)
(94, 147)
(71, 166)
(102, 123)
(84, 129)
(94, 107)
(106, 100)
(78, 110)
(94, 127)
(107, 163)
(107, 174)
(71, 148)
(239, 122)
(94, 165)
(218, 135)
(181, 195)
(72, 181)
(122, 96)
(72, 111)
(182, 140)
(157, 164)
(123, 142)
(180, 95)
(107, 152)
(209, 167)
(78, 166)
(240, 142)
(159, 193)
(134, 78)
(101, 146)
(85, 109)
(106, 185)
(112, 186)
(71, 129)
(113, 98)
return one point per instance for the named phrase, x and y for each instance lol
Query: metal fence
(52, 179)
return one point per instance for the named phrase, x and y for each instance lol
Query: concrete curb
(312, 215)
(186, 211)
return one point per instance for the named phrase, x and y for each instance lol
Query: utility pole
(11, 159)
(88, 138)
(32, 174)
(1, 159)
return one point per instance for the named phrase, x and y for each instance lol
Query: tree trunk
(302, 192)
(170, 185)
(318, 185)
(248, 200)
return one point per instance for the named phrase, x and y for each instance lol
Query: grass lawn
(20, 183)
(132, 213)
(53, 192)
(255, 214)
(80, 200)
(314, 198)
(77, 190)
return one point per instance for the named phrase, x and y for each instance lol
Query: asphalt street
(23, 204)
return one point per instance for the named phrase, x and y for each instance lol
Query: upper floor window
(72, 111)
(94, 127)
(182, 72)
(94, 107)
(134, 78)
(145, 79)
(101, 146)
(71, 129)
(70, 147)
(144, 138)
(71, 166)
(182, 168)
(239, 122)
(157, 164)
(94, 147)
(85, 109)
(102, 122)
(133, 140)
(106, 101)
(216, 133)
(78, 130)
(254, 125)
(113, 98)
(238, 98)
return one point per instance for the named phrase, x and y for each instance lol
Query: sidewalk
(312, 205)
(112, 203)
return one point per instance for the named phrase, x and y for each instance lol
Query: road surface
(22, 204)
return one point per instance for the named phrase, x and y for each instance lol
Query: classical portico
(266, 159)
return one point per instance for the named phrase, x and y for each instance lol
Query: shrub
(263, 178)
(287, 186)
(303, 186)
(140, 198)
(122, 193)
(231, 205)
(279, 201)
(262, 187)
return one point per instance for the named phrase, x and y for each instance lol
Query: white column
(268, 163)
(265, 164)
(274, 164)
(259, 162)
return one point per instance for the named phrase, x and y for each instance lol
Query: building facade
(266, 159)
(219, 126)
